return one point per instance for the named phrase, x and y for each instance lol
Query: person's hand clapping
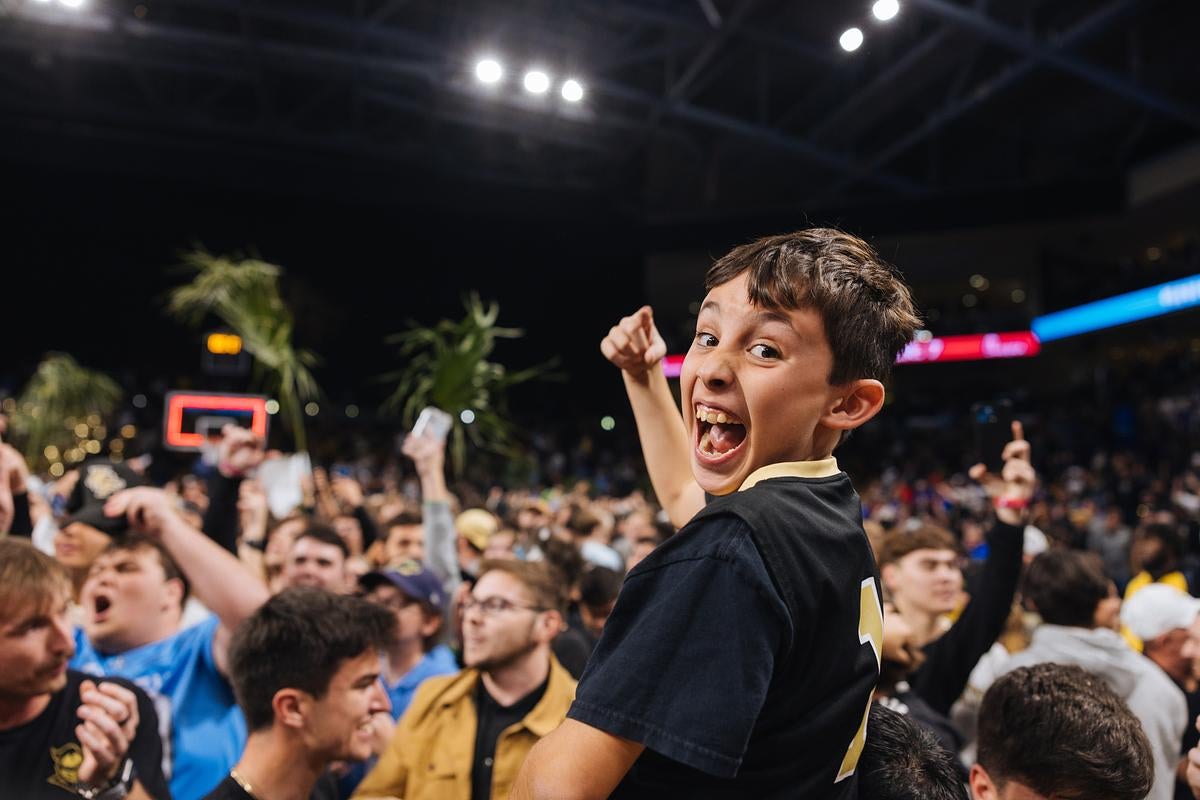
(1013, 488)
(109, 717)
(634, 344)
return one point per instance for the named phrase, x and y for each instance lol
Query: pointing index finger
(1018, 431)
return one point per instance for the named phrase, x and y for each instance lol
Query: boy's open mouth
(719, 434)
(102, 603)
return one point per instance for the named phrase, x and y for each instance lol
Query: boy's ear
(981, 784)
(854, 403)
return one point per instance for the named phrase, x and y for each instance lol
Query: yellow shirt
(431, 754)
(1143, 579)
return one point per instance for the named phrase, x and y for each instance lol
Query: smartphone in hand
(433, 422)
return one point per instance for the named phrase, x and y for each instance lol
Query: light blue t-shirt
(438, 661)
(203, 730)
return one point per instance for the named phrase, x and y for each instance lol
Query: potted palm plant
(244, 294)
(447, 366)
(60, 409)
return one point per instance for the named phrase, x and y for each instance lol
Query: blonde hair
(29, 577)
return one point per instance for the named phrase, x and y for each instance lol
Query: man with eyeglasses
(465, 736)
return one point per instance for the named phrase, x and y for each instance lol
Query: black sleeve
(687, 656)
(221, 518)
(369, 528)
(950, 659)
(146, 749)
(22, 523)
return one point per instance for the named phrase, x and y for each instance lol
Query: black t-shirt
(40, 760)
(743, 651)
(228, 789)
(491, 721)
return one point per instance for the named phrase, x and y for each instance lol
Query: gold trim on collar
(823, 468)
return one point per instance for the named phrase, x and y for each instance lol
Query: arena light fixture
(572, 91)
(536, 82)
(489, 70)
(885, 10)
(73, 4)
(851, 39)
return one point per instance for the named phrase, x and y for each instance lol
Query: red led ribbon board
(972, 347)
(182, 406)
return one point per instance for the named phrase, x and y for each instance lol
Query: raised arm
(636, 347)
(218, 579)
(428, 454)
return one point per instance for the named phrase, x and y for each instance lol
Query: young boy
(742, 653)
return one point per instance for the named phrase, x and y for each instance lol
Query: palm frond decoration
(244, 294)
(60, 395)
(447, 366)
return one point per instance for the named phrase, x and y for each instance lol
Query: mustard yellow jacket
(429, 757)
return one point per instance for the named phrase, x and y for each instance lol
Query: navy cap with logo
(411, 578)
(99, 480)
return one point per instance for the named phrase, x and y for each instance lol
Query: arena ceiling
(691, 108)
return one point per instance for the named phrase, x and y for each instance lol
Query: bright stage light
(885, 9)
(536, 81)
(72, 3)
(572, 91)
(488, 70)
(851, 39)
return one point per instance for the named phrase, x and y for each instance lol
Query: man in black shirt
(305, 668)
(61, 733)
(742, 653)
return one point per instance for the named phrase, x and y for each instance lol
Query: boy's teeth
(713, 417)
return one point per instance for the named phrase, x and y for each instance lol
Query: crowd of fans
(388, 637)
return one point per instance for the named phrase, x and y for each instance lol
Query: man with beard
(61, 734)
(466, 735)
(305, 668)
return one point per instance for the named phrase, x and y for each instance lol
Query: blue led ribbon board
(1142, 304)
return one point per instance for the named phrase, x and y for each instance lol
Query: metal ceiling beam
(1052, 55)
(219, 48)
(983, 92)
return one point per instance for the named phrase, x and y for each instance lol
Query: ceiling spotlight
(536, 81)
(885, 9)
(72, 3)
(851, 39)
(488, 70)
(572, 92)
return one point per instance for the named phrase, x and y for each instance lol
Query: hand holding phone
(434, 423)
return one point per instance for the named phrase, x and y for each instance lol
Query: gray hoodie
(1150, 694)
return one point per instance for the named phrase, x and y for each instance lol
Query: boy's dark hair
(542, 580)
(325, 535)
(896, 544)
(1063, 732)
(865, 306)
(599, 586)
(297, 640)
(133, 542)
(1065, 586)
(903, 761)
(405, 518)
